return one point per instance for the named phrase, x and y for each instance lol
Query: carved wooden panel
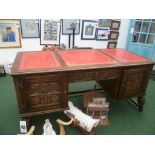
(38, 93)
(94, 75)
(46, 101)
(108, 74)
(81, 76)
(134, 81)
(45, 87)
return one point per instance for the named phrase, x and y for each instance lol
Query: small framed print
(102, 33)
(10, 35)
(115, 24)
(30, 28)
(69, 24)
(104, 22)
(112, 44)
(49, 32)
(113, 35)
(88, 30)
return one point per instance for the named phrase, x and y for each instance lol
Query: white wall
(9, 54)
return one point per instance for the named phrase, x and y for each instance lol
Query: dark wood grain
(44, 91)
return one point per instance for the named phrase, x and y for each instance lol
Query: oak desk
(41, 78)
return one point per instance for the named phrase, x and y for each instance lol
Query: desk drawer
(94, 75)
(108, 74)
(81, 76)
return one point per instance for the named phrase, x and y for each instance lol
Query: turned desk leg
(141, 101)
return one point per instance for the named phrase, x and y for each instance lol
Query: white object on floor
(86, 122)
(48, 129)
(23, 127)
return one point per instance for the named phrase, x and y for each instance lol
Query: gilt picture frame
(10, 34)
(104, 22)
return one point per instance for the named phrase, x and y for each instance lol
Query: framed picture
(113, 35)
(88, 30)
(112, 44)
(102, 33)
(104, 22)
(115, 24)
(30, 28)
(10, 36)
(49, 32)
(69, 24)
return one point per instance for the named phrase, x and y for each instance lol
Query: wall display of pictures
(104, 22)
(115, 25)
(10, 36)
(102, 33)
(30, 28)
(69, 24)
(113, 35)
(49, 32)
(88, 30)
(112, 44)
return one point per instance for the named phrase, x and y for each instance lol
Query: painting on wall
(30, 28)
(104, 22)
(113, 35)
(49, 32)
(10, 36)
(102, 33)
(112, 44)
(69, 24)
(88, 30)
(115, 25)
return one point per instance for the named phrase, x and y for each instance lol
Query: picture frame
(88, 30)
(30, 28)
(113, 35)
(115, 24)
(66, 25)
(112, 44)
(102, 34)
(104, 22)
(50, 31)
(10, 34)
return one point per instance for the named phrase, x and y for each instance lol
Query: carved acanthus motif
(96, 75)
(45, 87)
(44, 99)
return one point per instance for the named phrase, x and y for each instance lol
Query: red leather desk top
(38, 60)
(123, 55)
(85, 57)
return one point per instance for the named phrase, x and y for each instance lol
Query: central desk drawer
(82, 76)
(94, 75)
(108, 74)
